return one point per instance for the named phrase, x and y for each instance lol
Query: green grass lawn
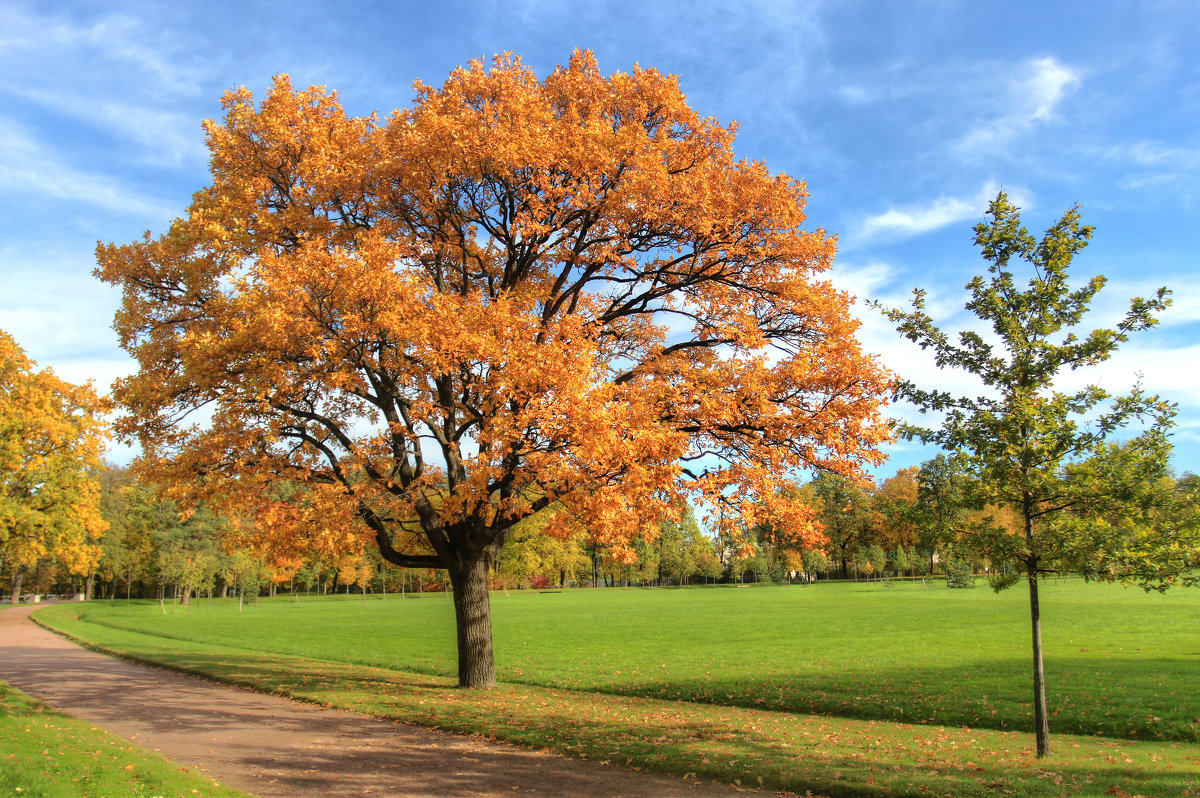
(44, 754)
(808, 683)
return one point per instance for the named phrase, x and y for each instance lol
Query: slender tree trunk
(473, 616)
(1041, 720)
(17, 579)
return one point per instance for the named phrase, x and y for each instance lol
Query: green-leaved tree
(1024, 430)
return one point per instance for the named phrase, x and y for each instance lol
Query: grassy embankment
(44, 754)
(839, 689)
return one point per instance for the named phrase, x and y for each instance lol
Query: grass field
(819, 676)
(44, 754)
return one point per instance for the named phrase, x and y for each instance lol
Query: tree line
(921, 521)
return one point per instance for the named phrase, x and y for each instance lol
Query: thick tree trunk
(1041, 721)
(17, 579)
(473, 613)
(89, 586)
(467, 562)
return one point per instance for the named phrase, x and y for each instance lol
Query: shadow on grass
(1123, 698)
(829, 756)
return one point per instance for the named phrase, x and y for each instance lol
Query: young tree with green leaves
(1023, 431)
(1148, 531)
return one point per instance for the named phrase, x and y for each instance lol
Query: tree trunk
(1041, 721)
(89, 586)
(473, 614)
(17, 579)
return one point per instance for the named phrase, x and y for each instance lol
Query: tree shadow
(825, 755)
(1120, 697)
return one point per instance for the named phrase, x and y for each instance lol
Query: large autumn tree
(517, 294)
(1026, 438)
(50, 444)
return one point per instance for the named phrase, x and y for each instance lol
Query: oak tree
(1020, 438)
(519, 291)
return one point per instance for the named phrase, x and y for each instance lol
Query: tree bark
(473, 613)
(17, 579)
(467, 561)
(1041, 721)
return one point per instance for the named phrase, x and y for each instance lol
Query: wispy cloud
(1046, 87)
(1154, 165)
(1030, 99)
(862, 280)
(116, 74)
(913, 220)
(159, 137)
(30, 170)
(1153, 153)
(44, 46)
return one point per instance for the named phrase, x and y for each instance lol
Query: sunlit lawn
(1120, 664)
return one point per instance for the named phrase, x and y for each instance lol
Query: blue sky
(903, 118)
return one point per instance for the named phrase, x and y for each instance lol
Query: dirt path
(271, 746)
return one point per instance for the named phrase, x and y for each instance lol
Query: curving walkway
(271, 746)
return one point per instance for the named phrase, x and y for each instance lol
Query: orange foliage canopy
(517, 292)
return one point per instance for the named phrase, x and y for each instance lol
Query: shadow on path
(271, 746)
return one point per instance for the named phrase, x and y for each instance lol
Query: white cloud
(30, 170)
(1030, 99)
(163, 137)
(913, 220)
(1153, 153)
(1112, 303)
(116, 74)
(1156, 166)
(863, 281)
(1046, 87)
(44, 46)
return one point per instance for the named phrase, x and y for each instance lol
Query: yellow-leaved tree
(50, 444)
(518, 293)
